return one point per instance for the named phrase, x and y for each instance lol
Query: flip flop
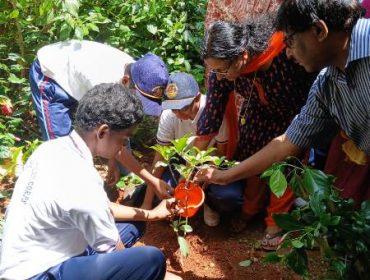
(270, 242)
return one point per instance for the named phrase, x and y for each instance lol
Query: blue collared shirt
(339, 100)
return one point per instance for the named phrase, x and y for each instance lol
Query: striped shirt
(339, 100)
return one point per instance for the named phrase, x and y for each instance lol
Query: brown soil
(215, 254)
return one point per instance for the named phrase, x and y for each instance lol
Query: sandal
(239, 222)
(270, 242)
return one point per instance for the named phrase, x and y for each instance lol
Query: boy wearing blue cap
(182, 106)
(62, 74)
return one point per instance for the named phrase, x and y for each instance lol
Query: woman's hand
(211, 175)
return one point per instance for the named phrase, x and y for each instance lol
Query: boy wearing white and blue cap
(182, 106)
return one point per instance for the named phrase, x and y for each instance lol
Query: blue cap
(181, 90)
(150, 76)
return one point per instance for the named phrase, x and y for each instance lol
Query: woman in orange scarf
(249, 59)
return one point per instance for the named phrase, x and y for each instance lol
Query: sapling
(187, 161)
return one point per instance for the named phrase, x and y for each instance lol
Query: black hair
(227, 40)
(111, 104)
(300, 15)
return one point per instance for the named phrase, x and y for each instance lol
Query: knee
(157, 261)
(223, 198)
(224, 193)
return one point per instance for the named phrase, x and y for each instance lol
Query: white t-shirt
(58, 208)
(170, 127)
(78, 66)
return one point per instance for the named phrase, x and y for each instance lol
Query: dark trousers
(139, 263)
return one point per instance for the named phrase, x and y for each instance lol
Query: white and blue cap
(180, 92)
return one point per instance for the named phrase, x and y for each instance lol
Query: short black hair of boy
(111, 104)
(299, 15)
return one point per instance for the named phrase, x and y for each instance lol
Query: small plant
(186, 162)
(13, 158)
(129, 181)
(327, 221)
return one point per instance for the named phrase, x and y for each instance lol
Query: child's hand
(162, 189)
(165, 210)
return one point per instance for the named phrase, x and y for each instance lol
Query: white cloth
(78, 66)
(170, 127)
(58, 208)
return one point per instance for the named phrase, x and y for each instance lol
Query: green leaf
(93, 27)
(15, 80)
(296, 183)
(14, 14)
(5, 152)
(316, 204)
(272, 258)
(340, 267)
(5, 194)
(317, 181)
(278, 183)
(365, 209)
(287, 222)
(297, 260)
(245, 263)
(168, 21)
(184, 248)
(335, 220)
(65, 31)
(297, 244)
(180, 144)
(72, 6)
(186, 228)
(325, 219)
(267, 173)
(79, 33)
(152, 28)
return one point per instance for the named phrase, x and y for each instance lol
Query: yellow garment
(353, 153)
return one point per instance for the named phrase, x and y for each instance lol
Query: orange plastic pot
(189, 199)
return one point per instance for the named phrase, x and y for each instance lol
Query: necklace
(243, 120)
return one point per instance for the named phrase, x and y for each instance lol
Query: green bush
(327, 221)
(171, 29)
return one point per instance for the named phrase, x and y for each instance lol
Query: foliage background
(171, 29)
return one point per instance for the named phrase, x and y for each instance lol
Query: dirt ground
(214, 252)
